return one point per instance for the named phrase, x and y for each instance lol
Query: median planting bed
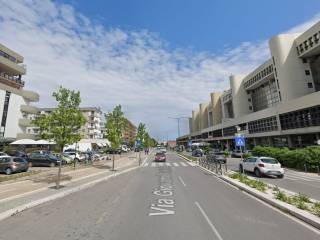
(299, 200)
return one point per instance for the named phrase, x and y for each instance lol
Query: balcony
(11, 67)
(11, 81)
(31, 96)
(24, 122)
(29, 109)
(25, 136)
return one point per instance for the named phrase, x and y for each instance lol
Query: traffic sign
(138, 143)
(240, 141)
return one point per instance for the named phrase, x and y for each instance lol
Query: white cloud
(112, 66)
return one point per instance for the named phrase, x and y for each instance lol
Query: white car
(262, 166)
(3, 154)
(164, 150)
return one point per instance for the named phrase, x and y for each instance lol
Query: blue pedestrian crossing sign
(240, 141)
(138, 143)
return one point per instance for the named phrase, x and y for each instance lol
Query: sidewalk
(20, 193)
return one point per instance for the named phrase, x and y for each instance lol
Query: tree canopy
(115, 123)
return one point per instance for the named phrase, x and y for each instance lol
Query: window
(250, 108)
(263, 125)
(304, 60)
(249, 99)
(5, 109)
(310, 85)
(264, 96)
(307, 72)
(302, 118)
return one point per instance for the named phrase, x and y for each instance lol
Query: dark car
(114, 151)
(18, 153)
(197, 153)
(216, 157)
(160, 157)
(37, 159)
(10, 165)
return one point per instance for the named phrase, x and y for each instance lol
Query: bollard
(318, 170)
(305, 167)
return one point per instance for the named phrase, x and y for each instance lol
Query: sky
(157, 58)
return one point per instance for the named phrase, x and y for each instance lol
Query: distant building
(92, 127)
(15, 101)
(130, 132)
(171, 143)
(277, 104)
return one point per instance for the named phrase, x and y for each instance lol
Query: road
(173, 200)
(306, 183)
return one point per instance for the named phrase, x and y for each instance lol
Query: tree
(141, 132)
(115, 121)
(63, 123)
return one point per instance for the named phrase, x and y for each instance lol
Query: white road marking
(146, 165)
(168, 164)
(153, 164)
(213, 228)
(183, 164)
(161, 164)
(175, 164)
(183, 183)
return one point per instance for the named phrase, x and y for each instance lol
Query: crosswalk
(166, 164)
(301, 176)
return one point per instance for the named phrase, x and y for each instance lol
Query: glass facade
(265, 96)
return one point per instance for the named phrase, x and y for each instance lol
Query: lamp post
(178, 120)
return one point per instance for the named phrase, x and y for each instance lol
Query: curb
(284, 207)
(59, 195)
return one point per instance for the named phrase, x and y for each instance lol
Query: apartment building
(130, 132)
(15, 101)
(276, 104)
(92, 127)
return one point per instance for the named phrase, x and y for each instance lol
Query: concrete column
(216, 107)
(290, 144)
(239, 96)
(203, 109)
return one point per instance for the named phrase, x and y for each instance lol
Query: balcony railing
(12, 81)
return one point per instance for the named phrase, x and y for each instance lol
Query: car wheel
(281, 176)
(8, 171)
(257, 172)
(52, 164)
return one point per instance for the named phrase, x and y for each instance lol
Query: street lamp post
(178, 120)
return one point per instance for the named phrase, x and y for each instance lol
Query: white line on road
(183, 183)
(153, 164)
(183, 164)
(161, 164)
(168, 164)
(215, 231)
(146, 165)
(175, 164)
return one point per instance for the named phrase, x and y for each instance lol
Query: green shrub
(316, 209)
(247, 155)
(297, 158)
(226, 153)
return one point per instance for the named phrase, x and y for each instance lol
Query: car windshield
(159, 154)
(219, 153)
(269, 160)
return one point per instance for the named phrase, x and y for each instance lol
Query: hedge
(292, 158)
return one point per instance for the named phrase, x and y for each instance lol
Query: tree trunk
(113, 162)
(59, 172)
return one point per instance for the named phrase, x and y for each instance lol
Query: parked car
(163, 149)
(236, 153)
(197, 153)
(75, 155)
(43, 159)
(124, 148)
(66, 158)
(262, 166)
(18, 153)
(113, 151)
(216, 156)
(160, 157)
(10, 165)
(3, 154)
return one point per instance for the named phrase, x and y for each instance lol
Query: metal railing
(213, 165)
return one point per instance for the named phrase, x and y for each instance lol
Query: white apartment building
(14, 99)
(277, 104)
(92, 128)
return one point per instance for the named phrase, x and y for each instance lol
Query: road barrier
(216, 166)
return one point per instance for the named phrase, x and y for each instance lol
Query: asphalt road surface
(173, 200)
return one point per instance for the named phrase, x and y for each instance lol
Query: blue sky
(158, 59)
(202, 25)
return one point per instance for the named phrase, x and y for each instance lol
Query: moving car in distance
(160, 157)
(236, 153)
(10, 165)
(197, 153)
(262, 166)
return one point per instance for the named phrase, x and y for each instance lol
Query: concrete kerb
(285, 207)
(59, 195)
